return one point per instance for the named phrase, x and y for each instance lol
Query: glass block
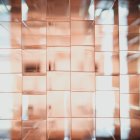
(130, 129)
(107, 63)
(82, 10)
(107, 83)
(58, 59)
(83, 104)
(59, 129)
(10, 37)
(58, 33)
(10, 130)
(129, 84)
(107, 105)
(34, 130)
(82, 58)
(129, 38)
(10, 61)
(83, 128)
(129, 12)
(10, 83)
(129, 105)
(10, 106)
(58, 10)
(82, 33)
(58, 81)
(33, 35)
(10, 10)
(34, 62)
(34, 85)
(106, 38)
(33, 107)
(81, 81)
(106, 12)
(130, 62)
(33, 10)
(107, 128)
(58, 104)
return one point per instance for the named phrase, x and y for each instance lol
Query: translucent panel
(82, 10)
(34, 62)
(106, 38)
(82, 58)
(10, 106)
(10, 83)
(33, 9)
(33, 107)
(58, 59)
(82, 33)
(130, 62)
(58, 33)
(58, 81)
(83, 128)
(130, 129)
(10, 130)
(107, 63)
(129, 84)
(107, 105)
(33, 35)
(10, 10)
(106, 12)
(10, 61)
(107, 82)
(129, 38)
(34, 130)
(34, 85)
(58, 10)
(59, 129)
(10, 36)
(107, 128)
(83, 104)
(81, 81)
(58, 104)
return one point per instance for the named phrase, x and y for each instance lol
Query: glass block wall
(69, 69)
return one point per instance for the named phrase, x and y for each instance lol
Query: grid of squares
(69, 69)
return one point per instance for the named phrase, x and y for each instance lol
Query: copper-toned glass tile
(10, 130)
(59, 129)
(34, 62)
(34, 9)
(34, 85)
(107, 105)
(129, 84)
(10, 61)
(33, 35)
(107, 128)
(83, 104)
(34, 130)
(82, 33)
(83, 128)
(58, 81)
(82, 58)
(107, 63)
(10, 35)
(58, 104)
(58, 10)
(58, 59)
(107, 82)
(106, 38)
(10, 83)
(82, 10)
(81, 81)
(10, 106)
(33, 107)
